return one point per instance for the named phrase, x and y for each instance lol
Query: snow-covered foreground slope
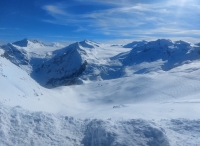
(18, 88)
(21, 127)
(145, 105)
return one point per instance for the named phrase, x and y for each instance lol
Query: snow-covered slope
(14, 80)
(18, 88)
(20, 127)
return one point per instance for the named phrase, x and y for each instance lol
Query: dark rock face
(68, 79)
(15, 56)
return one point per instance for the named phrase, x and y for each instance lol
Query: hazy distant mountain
(25, 43)
(135, 44)
(198, 44)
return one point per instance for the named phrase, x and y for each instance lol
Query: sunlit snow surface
(146, 105)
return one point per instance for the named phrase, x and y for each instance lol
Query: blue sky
(99, 20)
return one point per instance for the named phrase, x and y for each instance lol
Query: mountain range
(83, 61)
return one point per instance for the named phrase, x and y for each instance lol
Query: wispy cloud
(55, 9)
(80, 29)
(131, 17)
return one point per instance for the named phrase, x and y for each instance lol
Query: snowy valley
(88, 93)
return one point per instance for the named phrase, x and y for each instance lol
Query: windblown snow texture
(21, 127)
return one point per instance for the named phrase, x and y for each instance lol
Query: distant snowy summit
(25, 43)
(135, 44)
(88, 60)
(35, 43)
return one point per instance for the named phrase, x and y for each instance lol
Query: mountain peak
(37, 41)
(25, 42)
(164, 41)
(22, 43)
(86, 40)
(86, 44)
(198, 44)
(182, 43)
(135, 44)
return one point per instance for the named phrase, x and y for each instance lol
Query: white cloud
(80, 29)
(54, 9)
(174, 31)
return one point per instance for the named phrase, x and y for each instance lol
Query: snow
(22, 127)
(133, 100)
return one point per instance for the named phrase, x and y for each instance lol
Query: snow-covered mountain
(198, 44)
(64, 65)
(25, 43)
(35, 44)
(83, 61)
(27, 53)
(144, 95)
(158, 55)
(76, 63)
